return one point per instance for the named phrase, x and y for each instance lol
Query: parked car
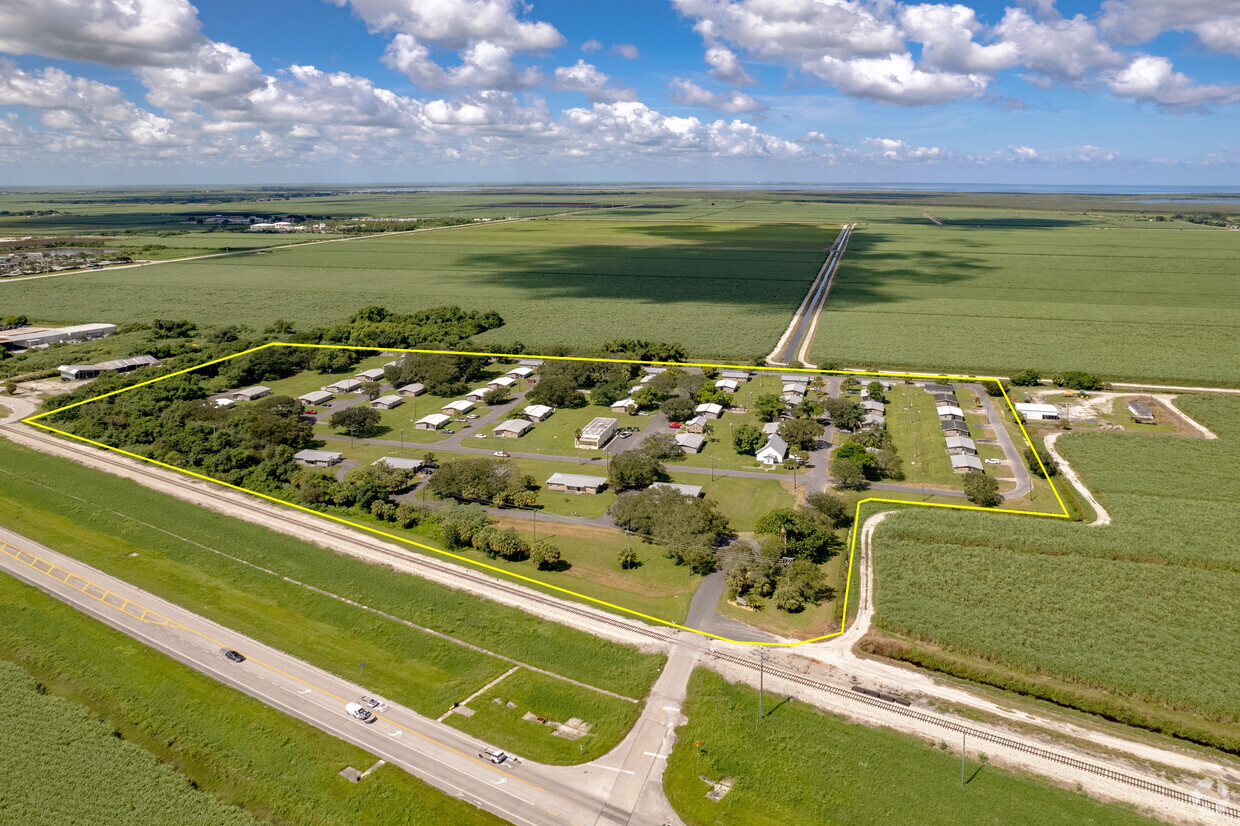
(472, 416)
(493, 755)
(235, 656)
(673, 424)
(994, 461)
(374, 704)
(356, 710)
(480, 435)
(310, 411)
(624, 434)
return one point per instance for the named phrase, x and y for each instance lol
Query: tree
(494, 396)
(848, 474)
(768, 406)
(828, 508)
(481, 479)
(678, 408)
(556, 391)
(608, 393)
(807, 408)
(667, 517)
(981, 489)
(545, 556)
(628, 559)
(996, 388)
(1076, 380)
(1048, 461)
(10, 387)
(889, 464)
(801, 434)
(849, 384)
(635, 469)
(334, 360)
(875, 390)
(844, 413)
(1026, 378)
(164, 328)
(459, 523)
(800, 535)
(356, 421)
(371, 389)
(854, 452)
(747, 439)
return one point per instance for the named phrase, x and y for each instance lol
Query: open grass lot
(609, 718)
(1126, 620)
(805, 767)
(718, 289)
(914, 426)
(99, 528)
(1060, 292)
(127, 783)
(267, 765)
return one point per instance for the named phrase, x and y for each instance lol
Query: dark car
(235, 656)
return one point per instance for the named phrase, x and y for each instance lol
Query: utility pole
(762, 657)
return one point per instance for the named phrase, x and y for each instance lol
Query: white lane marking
(394, 733)
(652, 754)
(614, 769)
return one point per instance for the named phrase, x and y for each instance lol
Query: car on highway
(235, 656)
(493, 755)
(373, 703)
(356, 710)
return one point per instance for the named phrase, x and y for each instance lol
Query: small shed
(1141, 412)
(415, 389)
(538, 412)
(344, 386)
(250, 393)
(317, 458)
(387, 402)
(399, 463)
(315, 397)
(458, 408)
(961, 444)
(576, 483)
(502, 383)
(690, 442)
(964, 463)
(512, 428)
(773, 452)
(432, 422)
(692, 491)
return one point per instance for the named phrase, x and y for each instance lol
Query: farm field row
(1124, 619)
(77, 514)
(260, 766)
(827, 770)
(1066, 295)
(719, 289)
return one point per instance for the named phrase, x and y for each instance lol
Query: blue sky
(1123, 92)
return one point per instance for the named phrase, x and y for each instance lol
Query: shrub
(981, 489)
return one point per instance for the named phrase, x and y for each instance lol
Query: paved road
(521, 792)
(1016, 461)
(805, 320)
(704, 614)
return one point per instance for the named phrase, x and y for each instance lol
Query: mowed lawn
(1062, 292)
(718, 289)
(1130, 619)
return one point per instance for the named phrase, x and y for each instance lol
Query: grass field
(609, 719)
(56, 738)
(717, 288)
(427, 673)
(1125, 619)
(266, 765)
(801, 766)
(1061, 292)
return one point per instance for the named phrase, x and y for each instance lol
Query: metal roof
(576, 480)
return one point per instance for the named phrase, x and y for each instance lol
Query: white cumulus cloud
(683, 90)
(597, 86)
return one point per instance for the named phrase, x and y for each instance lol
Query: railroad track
(633, 627)
(990, 737)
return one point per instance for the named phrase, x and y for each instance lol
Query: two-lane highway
(520, 792)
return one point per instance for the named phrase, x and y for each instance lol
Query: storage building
(576, 483)
(964, 463)
(249, 394)
(373, 374)
(512, 428)
(344, 386)
(77, 372)
(1037, 412)
(387, 402)
(458, 408)
(315, 397)
(690, 442)
(415, 389)
(317, 458)
(432, 422)
(962, 445)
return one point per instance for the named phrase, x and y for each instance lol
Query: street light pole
(762, 657)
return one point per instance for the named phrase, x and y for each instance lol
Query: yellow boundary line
(33, 420)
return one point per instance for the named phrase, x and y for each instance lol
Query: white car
(472, 416)
(480, 435)
(994, 461)
(493, 755)
(374, 704)
(356, 710)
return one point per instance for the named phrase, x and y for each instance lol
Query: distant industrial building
(78, 372)
(27, 338)
(1037, 412)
